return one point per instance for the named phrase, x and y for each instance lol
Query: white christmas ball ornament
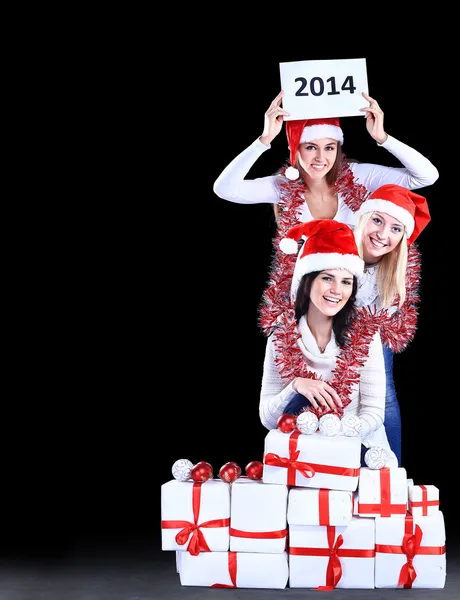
(376, 457)
(182, 469)
(307, 422)
(351, 425)
(330, 425)
(391, 462)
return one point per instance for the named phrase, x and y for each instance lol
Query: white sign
(316, 89)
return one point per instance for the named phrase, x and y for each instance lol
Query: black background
(137, 341)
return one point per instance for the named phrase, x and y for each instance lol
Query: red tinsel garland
(276, 313)
(398, 329)
(276, 296)
(353, 355)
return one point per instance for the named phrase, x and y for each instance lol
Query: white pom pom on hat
(288, 246)
(292, 173)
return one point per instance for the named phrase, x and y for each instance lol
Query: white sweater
(231, 184)
(367, 396)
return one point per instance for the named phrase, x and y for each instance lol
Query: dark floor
(104, 574)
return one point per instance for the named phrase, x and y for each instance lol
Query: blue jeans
(296, 405)
(392, 412)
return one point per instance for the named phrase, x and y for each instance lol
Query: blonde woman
(388, 223)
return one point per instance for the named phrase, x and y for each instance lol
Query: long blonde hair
(391, 268)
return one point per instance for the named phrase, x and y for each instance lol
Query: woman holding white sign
(321, 184)
(332, 188)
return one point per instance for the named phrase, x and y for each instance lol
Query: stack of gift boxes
(316, 519)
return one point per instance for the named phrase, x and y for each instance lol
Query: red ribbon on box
(197, 542)
(307, 469)
(411, 546)
(323, 500)
(385, 508)
(334, 551)
(259, 535)
(231, 570)
(424, 502)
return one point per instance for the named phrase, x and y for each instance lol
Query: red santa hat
(307, 130)
(402, 204)
(329, 244)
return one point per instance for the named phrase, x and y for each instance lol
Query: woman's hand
(374, 120)
(273, 121)
(318, 392)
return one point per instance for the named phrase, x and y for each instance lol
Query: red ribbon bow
(291, 463)
(334, 552)
(334, 566)
(308, 470)
(410, 545)
(197, 541)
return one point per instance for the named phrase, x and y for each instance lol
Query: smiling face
(318, 157)
(382, 233)
(331, 290)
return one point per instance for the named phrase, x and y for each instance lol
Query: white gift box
(307, 506)
(402, 551)
(312, 556)
(235, 569)
(410, 482)
(423, 500)
(178, 555)
(196, 514)
(355, 501)
(313, 461)
(258, 516)
(382, 492)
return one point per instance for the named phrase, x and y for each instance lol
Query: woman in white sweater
(324, 355)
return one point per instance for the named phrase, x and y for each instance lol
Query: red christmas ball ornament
(237, 467)
(206, 465)
(254, 469)
(201, 472)
(286, 423)
(229, 472)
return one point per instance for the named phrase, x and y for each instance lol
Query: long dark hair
(341, 321)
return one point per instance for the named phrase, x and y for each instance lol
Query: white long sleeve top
(368, 291)
(367, 396)
(231, 184)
